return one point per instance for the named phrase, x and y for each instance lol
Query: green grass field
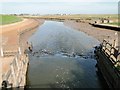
(8, 19)
(115, 23)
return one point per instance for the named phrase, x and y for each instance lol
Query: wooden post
(1, 50)
(14, 77)
(17, 63)
(114, 43)
(19, 50)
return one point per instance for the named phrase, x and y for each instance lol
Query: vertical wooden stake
(19, 50)
(14, 77)
(1, 50)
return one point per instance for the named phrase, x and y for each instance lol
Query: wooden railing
(111, 52)
(108, 62)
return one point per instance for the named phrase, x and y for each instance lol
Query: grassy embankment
(115, 23)
(8, 19)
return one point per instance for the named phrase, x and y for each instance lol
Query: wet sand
(98, 33)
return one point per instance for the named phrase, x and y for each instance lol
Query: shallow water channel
(62, 58)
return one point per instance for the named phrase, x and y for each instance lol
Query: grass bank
(115, 23)
(8, 19)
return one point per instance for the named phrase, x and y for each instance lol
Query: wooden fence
(108, 62)
(111, 52)
(16, 75)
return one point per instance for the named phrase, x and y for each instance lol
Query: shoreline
(99, 33)
(25, 34)
(9, 33)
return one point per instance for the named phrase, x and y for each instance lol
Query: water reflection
(62, 58)
(54, 37)
(62, 72)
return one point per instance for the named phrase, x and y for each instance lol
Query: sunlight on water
(62, 72)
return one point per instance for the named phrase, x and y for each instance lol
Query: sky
(59, 6)
(59, 0)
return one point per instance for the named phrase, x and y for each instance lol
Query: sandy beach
(98, 33)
